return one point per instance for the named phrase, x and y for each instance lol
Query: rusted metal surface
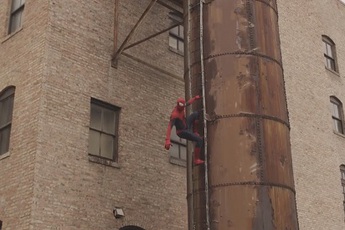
(250, 174)
(188, 93)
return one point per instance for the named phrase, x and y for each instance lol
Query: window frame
(179, 36)
(340, 119)
(5, 94)
(116, 110)
(13, 12)
(330, 57)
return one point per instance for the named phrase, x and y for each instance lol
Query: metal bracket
(152, 36)
(129, 36)
(124, 46)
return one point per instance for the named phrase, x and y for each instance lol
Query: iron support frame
(124, 46)
(129, 36)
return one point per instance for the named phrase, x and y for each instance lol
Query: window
(342, 171)
(329, 53)
(337, 115)
(176, 37)
(16, 16)
(6, 110)
(178, 150)
(103, 133)
(176, 40)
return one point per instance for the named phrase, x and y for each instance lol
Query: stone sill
(339, 134)
(5, 155)
(103, 161)
(176, 51)
(178, 162)
(11, 35)
(332, 71)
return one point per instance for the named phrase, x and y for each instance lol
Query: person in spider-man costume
(185, 128)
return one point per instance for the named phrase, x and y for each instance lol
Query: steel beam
(169, 7)
(152, 36)
(129, 36)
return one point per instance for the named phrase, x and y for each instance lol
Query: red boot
(197, 159)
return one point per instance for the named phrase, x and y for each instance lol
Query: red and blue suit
(184, 127)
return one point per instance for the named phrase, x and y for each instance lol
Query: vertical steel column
(197, 87)
(203, 90)
(188, 93)
(250, 174)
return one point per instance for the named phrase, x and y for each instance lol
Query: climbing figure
(185, 129)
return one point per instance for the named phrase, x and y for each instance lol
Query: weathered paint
(250, 174)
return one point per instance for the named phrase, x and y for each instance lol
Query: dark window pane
(107, 146)
(4, 139)
(328, 63)
(174, 31)
(335, 110)
(173, 135)
(6, 108)
(332, 64)
(338, 126)
(96, 117)
(180, 46)
(329, 50)
(174, 151)
(108, 125)
(94, 141)
(103, 130)
(16, 21)
(181, 35)
(173, 42)
(7, 93)
(15, 4)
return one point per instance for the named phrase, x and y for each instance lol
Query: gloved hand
(197, 97)
(167, 144)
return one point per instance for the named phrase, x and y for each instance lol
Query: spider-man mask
(181, 103)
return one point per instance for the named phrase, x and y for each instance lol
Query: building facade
(80, 137)
(311, 82)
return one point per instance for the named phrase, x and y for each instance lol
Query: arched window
(337, 115)
(329, 53)
(6, 110)
(131, 227)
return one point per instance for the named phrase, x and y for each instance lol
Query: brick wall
(317, 151)
(70, 191)
(21, 65)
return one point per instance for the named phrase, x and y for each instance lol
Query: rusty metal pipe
(202, 67)
(188, 93)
